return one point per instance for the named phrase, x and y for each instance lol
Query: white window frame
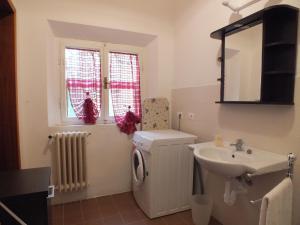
(104, 49)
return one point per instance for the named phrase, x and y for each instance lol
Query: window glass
(82, 77)
(124, 74)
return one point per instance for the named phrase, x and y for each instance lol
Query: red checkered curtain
(125, 84)
(83, 78)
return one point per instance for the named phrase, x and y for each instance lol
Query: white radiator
(71, 160)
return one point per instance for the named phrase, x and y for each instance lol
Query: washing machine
(162, 169)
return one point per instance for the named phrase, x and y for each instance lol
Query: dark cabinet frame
(25, 193)
(279, 53)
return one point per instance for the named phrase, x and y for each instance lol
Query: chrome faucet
(238, 145)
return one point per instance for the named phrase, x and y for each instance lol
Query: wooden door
(9, 140)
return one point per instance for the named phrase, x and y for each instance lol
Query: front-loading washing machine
(162, 170)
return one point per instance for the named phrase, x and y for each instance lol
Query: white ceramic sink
(227, 162)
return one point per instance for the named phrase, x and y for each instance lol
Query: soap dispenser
(218, 141)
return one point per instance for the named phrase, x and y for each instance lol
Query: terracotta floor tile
(108, 210)
(105, 200)
(57, 211)
(118, 209)
(57, 221)
(214, 222)
(126, 206)
(187, 217)
(174, 219)
(123, 197)
(142, 214)
(92, 215)
(90, 210)
(141, 222)
(132, 216)
(124, 202)
(73, 220)
(114, 220)
(93, 222)
(156, 221)
(73, 214)
(89, 203)
(57, 214)
(72, 208)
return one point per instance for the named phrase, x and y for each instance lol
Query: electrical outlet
(179, 114)
(191, 116)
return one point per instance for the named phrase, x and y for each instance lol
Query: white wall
(273, 128)
(108, 150)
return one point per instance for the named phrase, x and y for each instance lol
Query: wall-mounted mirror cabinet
(259, 57)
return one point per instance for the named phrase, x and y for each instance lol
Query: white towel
(276, 207)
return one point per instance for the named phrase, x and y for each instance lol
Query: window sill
(74, 124)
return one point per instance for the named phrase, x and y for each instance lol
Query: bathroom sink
(227, 162)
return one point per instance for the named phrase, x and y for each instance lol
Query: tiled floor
(118, 209)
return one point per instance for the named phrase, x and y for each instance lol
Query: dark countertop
(24, 182)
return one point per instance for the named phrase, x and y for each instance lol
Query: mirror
(243, 64)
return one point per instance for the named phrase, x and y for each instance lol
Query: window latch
(105, 83)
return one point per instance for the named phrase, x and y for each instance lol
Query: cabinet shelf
(279, 43)
(256, 102)
(279, 72)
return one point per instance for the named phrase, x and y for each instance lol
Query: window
(108, 74)
(124, 79)
(82, 77)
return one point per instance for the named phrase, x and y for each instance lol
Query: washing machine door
(138, 167)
